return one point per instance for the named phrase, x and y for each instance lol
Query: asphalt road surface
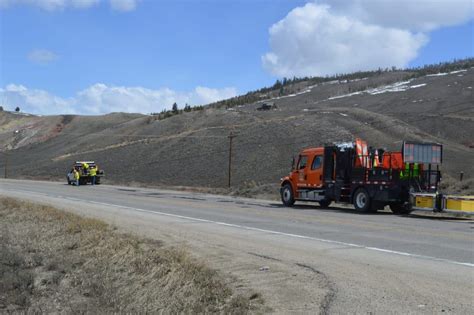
(303, 259)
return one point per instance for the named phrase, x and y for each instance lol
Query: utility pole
(6, 163)
(231, 136)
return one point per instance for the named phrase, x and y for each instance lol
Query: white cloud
(54, 5)
(123, 5)
(311, 40)
(42, 56)
(207, 95)
(339, 36)
(100, 99)
(34, 101)
(415, 15)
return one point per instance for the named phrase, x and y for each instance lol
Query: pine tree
(174, 109)
(277, 84)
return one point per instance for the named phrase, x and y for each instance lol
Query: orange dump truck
(368, 178)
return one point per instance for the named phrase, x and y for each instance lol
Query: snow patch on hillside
(345, 95)
(440, 74)
(445, 73)
(458, 71)
(417, 86)
(307, 90)
(395, 87)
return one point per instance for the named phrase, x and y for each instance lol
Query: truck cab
(305, 181)
(309, 171)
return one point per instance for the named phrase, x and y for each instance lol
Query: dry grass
(54, 261)
(449, 185)
(248, 189)
(252, 189)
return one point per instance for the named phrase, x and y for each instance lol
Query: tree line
(176, 111)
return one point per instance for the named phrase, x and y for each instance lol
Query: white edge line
(263, 230)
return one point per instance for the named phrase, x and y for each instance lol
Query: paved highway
(303, 259)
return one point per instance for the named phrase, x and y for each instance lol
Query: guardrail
(443, 203)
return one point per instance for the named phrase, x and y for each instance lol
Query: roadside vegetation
(450, 185)
(52, 261)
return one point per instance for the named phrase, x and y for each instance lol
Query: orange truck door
(314, 172)
(301, 168)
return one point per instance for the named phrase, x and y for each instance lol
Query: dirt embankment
(53, 261)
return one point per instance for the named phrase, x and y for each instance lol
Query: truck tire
(287, 195)
(361, 200)
(399, 208)
(324, 203)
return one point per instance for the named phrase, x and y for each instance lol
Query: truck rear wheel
(361, 200)
(399, 208)
(287, 195)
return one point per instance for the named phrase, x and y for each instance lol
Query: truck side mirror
(293, 164)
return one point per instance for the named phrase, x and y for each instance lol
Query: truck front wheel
(287, 195)
(361, 200)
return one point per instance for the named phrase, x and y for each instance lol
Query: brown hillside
(192, 148)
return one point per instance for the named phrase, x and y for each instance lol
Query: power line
(6, 164)
(231, 137)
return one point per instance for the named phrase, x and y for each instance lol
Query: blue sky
(92, 56)
(446, 44)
